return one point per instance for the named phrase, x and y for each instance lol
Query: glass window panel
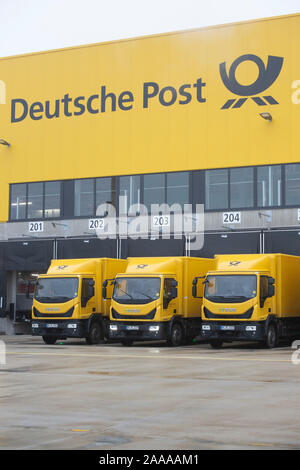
(178, 188)
(35, 201)
(130, 187)
(84, 197)
(18, 202)
(52, 198)
(105, 191)
(216, 189)
(241, 187)
(269, 186)
(292, 184)
(154, 189)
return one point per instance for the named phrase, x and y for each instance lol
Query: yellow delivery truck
(252, 297)
(152, 300)
(68, 300)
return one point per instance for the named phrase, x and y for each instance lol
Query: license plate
(51, 325)
(130, 327)
(227, 328)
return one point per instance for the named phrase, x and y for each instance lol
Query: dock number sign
(231, 217)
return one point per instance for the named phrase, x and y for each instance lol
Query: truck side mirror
(91, 288)
(104, 285)
(174, 291)
(27, 290)
(194, 288)
(271, 287)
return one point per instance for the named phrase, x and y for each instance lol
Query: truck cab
(239, 300)
(153, 300)
(68, 301)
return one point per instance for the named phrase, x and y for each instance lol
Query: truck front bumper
(137, 331)
(61, 329)
(233, 331)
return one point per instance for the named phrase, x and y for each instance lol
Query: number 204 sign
(231, 217)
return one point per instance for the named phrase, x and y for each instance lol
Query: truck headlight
(153, 328)
(113, 327)
(34, 325)
(72, 325)
(250, 328)
(205, 327)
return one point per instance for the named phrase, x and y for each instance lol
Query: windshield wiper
(125, 292)
(146, 295)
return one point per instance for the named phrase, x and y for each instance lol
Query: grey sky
(36, 25)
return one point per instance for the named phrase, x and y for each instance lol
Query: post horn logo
(234, 263)
(142, 266)
(266, 77)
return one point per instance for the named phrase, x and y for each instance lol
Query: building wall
(182, 127)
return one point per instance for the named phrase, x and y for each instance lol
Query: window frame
(61, 216)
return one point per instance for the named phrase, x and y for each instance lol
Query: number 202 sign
(231, 217)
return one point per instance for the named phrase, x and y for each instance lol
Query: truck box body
(151, 314)
(71, 314)
(238, 304)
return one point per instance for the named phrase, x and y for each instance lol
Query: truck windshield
(230, 288)
(56, 290)
(136, 290)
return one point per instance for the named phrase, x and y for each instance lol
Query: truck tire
(127, 342)
(216, 343)
(272, 336)
(95, 335)
(176, 336)
(49, 339)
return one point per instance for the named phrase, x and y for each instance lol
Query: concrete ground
(75, 396)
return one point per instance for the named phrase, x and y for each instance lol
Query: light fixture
(4, 142)
(266, 116)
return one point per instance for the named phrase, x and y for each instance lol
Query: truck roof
(77, 266)
(247, 262)
(157, 265)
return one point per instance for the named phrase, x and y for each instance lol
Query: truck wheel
(216, 344)
(95, 333)
(177, 335)
(49, 339)
(127, 342)
(272, 336)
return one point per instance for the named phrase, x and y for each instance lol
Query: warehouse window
(154, 189)
(178, 188)
(18, 202)
(52, 199)
(269, 186)
(130, 187)
(216, 189)
(105, 191)
(35, 200)
(292, 184)
(84, 197)
(241, 187)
